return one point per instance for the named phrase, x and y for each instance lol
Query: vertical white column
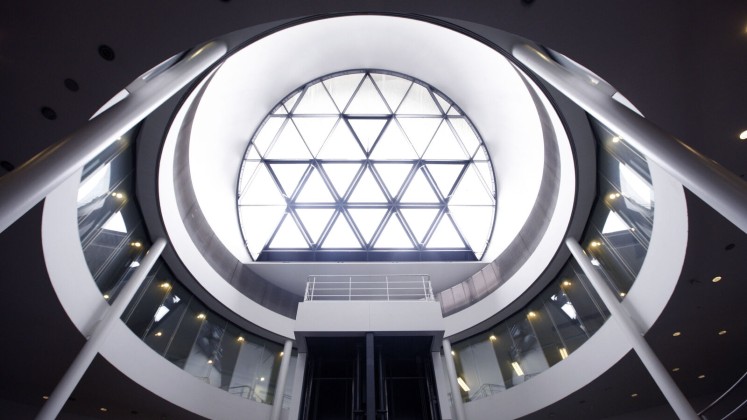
(622, 317)
(25, 186)
(441, 387)
(277, 404)
(69, 381)
(456, 394)
(715, 185)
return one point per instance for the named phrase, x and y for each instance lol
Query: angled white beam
(24, 187)
(714, 184)
(74, 373)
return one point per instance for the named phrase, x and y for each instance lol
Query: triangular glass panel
(471, 190)
(393, 175)
(419, 190)
(341, 88)
(341, 145)
(367, 101)
(367, 221)
(393, 144)
(262, 190)
(445, 235)
(258, 223)
(393, 235)
(315, 130)
(453, 111)
(248, 168)
(466, 135)
(418, 102)
(289, 145)
(442, 102)
(289, 174)
(444, 146)
(445, 175)
(420, 131)
(267, 133)
(292, 101)
(392, 87)
(280, 110)
(367, 190)
(367, 130)
(288, 235)
(419, 220)
(341, 175)
(475, 224)
(316, 100)
(341, 235)
(314, 190)
(314, 220)
(486, 173)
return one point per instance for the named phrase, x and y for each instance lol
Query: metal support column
(24, 187)
(277, 404)
(370, 378)
(714, 184)
(456, 394)
(621, 316)
(69, 381)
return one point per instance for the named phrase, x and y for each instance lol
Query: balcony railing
(393, 287)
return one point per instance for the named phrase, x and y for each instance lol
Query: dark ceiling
(683, 64)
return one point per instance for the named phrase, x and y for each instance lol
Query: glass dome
(366, 166)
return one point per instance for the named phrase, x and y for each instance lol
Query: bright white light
(160, 313)
(634, 187)
(614, 224)
(135, 264)
(115, 223)
(517, 368)
(463, 384)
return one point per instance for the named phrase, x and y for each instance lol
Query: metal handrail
(716, 401)
(369, 287)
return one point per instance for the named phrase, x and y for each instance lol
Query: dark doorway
(343, 373)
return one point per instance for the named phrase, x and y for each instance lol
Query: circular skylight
(366, 166)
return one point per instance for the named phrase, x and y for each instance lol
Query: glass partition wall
(164, 314)
(561, 318)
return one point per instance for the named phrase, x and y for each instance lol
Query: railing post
(386, 282)
(714, 184)
(25, 186)
(277, 404)
(622, 317)
(74, 373)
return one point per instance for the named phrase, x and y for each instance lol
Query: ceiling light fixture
(453, 353)
(532, 314)
(743, 135)
(675, 369)
(701, 376)
(563, 353)
(201, 316)
(158, 334)
(240, 339)
(106, 297)
(676, 334)
(282, 353)
(716, 279)
(103, 409)
(622, 294)
(616, 139)
(633, 395)
(493, 338)
(517, 368)
(463, 384)
(566, 283)
(722, 332)
(46, 397)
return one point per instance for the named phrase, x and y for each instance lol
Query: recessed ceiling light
(722, 332)
(240, 339)
(566, 283)
(532, 314)
(453, 353)
(677, 334)
(282, 353)
(106, 297)
(743, 135)
(633, 395)
(701, 376)
(210, 361)
(563, 353)
(463, 384)
(201, 316)
(46, 397)
(616, 139)
(104, 409)
(716, 279)
(493, 338)
(158, 334)
(622, 294)
(262, 379)
(675, 369)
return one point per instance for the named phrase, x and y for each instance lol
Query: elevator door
(396, 373)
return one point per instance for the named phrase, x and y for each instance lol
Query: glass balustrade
(164, 313)
(561, 318)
